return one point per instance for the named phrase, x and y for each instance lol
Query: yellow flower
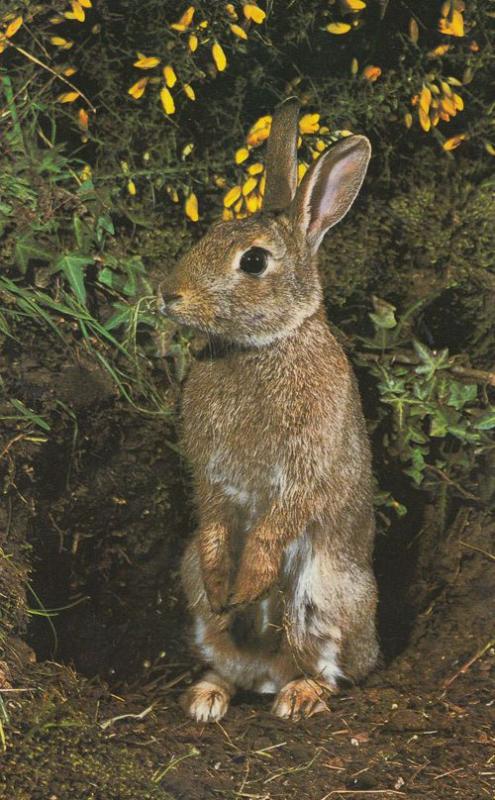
(241, 155)
(137, 89)
(167, 101)
(76, 13)
(190, 93)
(220, 181)
(424, 119)
(191, 207)
(439, 51)
(352, 6)
(425, 99)
(227, 214)
(232, 196)
(13, 27)
(490, 148)
(86, 3)
(68, 97)
(249, 185)
(261, 187)
(131, 187)
(229, 8)
(408, 120)
(173, 194)
(372, 73)
(68, 71)
(254, 13)
(238, 31)
(447, 105)
(192, 42)
(321, 145)
(453, 25)
(309, 123)
(253, 203)
(454, 141)
(83, 119)
(259, 131)
(255, 169)
(302, 169)
(338, 28)
(458, 102)
(85, 173)
(186, 19)
(59, 41)
(219, 57)
(146, 62)
(169, 76)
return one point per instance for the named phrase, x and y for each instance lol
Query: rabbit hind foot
(208, 699)
(300, 699)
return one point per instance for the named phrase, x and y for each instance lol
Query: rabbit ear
(330, 187)
(281, 157)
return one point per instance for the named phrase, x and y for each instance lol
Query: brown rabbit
(278, 576)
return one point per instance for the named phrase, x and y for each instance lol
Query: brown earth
(97, 514)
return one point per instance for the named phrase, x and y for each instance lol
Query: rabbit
(278, 576)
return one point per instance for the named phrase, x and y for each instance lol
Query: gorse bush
(127, 127)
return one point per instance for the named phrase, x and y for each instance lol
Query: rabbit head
(255, 280)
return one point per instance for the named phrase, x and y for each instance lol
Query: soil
(97, 515)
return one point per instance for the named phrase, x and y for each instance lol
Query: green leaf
(384, 314)
(107, 277)
(461, 393)
(438, 424)
(104, 223)
(30, 415)
(28, 249)
(423, 352)
(486, 421)
(122, 316)
(72, 265)
(83, 233)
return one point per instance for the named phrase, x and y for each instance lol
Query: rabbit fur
(278, 576)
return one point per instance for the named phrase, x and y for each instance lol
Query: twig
(9, 444)
(362, 791)
(445, 774)
(478, 549)
(469, 664)
(450, 481)
(39, 63)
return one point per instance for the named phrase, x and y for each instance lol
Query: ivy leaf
(384, 316)
(486, 421)
(104, 225)
(28, 249)
(72, 265)
(122, 316)
(460, 394)
(423, 352)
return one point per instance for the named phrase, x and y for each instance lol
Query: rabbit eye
(254, 261)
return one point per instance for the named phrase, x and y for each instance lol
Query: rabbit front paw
(217, 587)
(255, 579)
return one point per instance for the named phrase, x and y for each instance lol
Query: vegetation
(126, 128)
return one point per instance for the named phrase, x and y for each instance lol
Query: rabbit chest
(256, 425)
